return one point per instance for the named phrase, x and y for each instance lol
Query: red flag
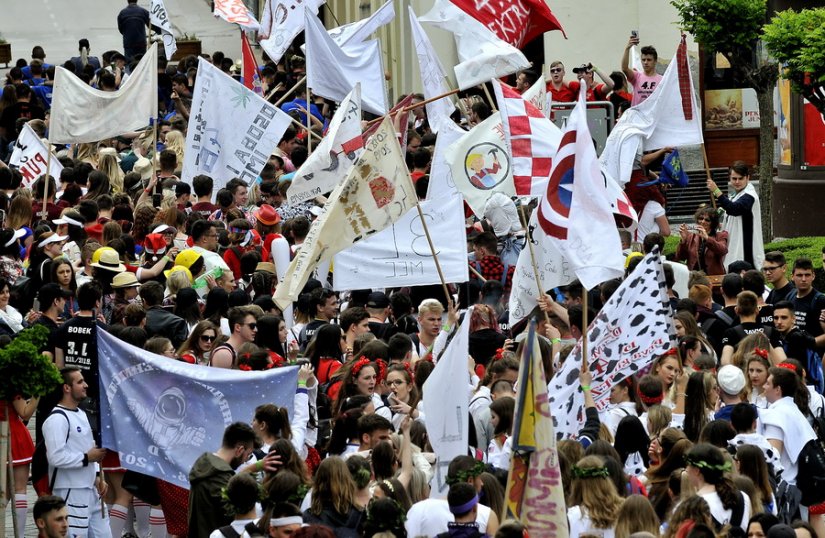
(401, 119)
(516, 21)
(684, 79)
(249, 67)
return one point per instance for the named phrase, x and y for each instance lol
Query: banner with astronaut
(161, 414)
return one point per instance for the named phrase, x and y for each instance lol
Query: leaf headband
(590, 472)
(462, 476)
(723, 467)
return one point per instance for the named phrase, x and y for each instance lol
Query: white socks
(21, 506)
(157, 523)
(117, 519)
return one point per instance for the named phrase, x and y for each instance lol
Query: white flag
(282, 21)
(400, 256)
(441, 174)
(31, 156)
(232, 130)
(358, 32)
(446, 405)
(433, 77)
(576, 213)
(236, 12)
(483, 55)
(332, 160)
(160, 17)
(332, 72)
(377, 192)
(81, 113)
(669, 117)
(631, 330)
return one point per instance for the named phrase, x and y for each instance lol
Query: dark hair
(352, 316)
(200, 228)
(371, 423)
(66, 373)
(740, 167)
(237, 315)
(650, 50)
(803, 263)
(696, 405)
(243, 491)
(268, 334)
(383, 458)
(461, 493)
(731, 284)
(325, 343)
(785, 379)
(785, 305)
(46, 504)
(217, 305)
(717, 432)
(202, 185)
(776, 257)
(753, 280)
(88, 295)
(712, 472)
(504, 408)
(399, 345)
(151, 293)
(631, 437)
(651, 240)
(238, 433)
(742, 417)
(487, 241)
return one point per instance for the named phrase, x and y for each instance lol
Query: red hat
(267, 215)
(95, 231)
(154, 244)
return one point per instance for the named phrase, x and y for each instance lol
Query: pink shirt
(643, 86)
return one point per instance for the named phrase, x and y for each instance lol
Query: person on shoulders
(643, 83)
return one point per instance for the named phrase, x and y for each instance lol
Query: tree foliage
(797, 41)
(24, 370)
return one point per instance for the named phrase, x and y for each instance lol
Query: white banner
(31, 157)
(400, 255)
(358, 32)
(631, 330)
(235, 12)
(232, 130)
(81, 113)
(441, 174)
(160, 415)
(433, 77)
(446, 404)
(281, 22)
(334, 157)
(160, 17)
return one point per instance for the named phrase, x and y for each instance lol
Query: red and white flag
(235, 12)
(400, 121)
(576, 213)
(249, 67)
(483, 54)
(531, 137)
(516, 21)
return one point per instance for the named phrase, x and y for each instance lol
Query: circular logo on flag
(560, 187)
(486, 165)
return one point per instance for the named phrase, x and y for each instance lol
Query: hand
(702, 232)
(585, 377)
(173, 253)
(33, 316)
(96, 454)
(406, 425)
(683, 232)
(668, 149)
(174, 96)
(682, 381)
(292, 352)
(551, 332)
(272, 462)
(102, 486)
(210, 282)
(632, 41)
(305, 372)
(452, 315)
(400, 407)
(546, 303)
(711, 185)
(471, 366)
(509, 345)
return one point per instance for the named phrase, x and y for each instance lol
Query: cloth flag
(358, 32)
(631, 330)
(249, 67)
(31, 157)
(376, 193)
(160, 17)
(534, 493)
(160, 415)
(531, 138)
(281, 22)
(81, 113)
(447, 401)
(576, 213)
(670, 117)
(483, 54)
(235, 12)
(433, 77)
(400, 256)
(332, 72)
(332, 160)
(400, 120)
(232, 131)
(516, 22)
(441, 174)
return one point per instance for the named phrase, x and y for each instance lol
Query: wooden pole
(302, 126)
(44, 213)
(707, 173)
(435, 257)
(489, 98)
(309, 122)
(417, 105)
(585, 360)
(476, 273)
(291, 91)
(532, 260)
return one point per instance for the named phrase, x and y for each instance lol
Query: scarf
(11, 317)
(784, 414)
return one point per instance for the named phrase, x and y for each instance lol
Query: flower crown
(590, 472)
(721, 467)
(787, 366)
(360, 363)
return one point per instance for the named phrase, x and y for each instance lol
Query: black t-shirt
(780, 294)
(736, 334)
(53, 327)
(309, 331)
(796, 345)
(21, 109)
(77, 338)
(807, 310)
(765, 315)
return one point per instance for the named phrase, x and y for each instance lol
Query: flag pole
(532, 259)
(707, 172)
(44, 210)
(489, 98)
(291, 91)
(476, 273)
(417, 105)
(435, 257)
(309, 121)
(585, 322)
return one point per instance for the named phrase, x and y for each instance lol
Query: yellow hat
(178, 269)
(187, 257)
(630, 257)
(98, 252)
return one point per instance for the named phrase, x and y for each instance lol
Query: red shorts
(111, 463)
(22, 446)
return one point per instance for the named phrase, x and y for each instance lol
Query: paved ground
(57, 25)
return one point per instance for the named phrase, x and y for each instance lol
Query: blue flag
(160, 414)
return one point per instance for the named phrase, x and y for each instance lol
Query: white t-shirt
(647, 220)
(238, 525)
(722, 515)
(430, 517)
(580, 524)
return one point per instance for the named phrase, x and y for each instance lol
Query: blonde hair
(176, 142)
(332, 487)
(658, 418)
(86, 152)
(636, 515)
(430, 305)
(596, 496)
(176, 281)
(741, 357)
(107, 163)
(20, 210)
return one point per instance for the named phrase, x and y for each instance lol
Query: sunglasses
(208, 338)
(252, 326)
(556, 70)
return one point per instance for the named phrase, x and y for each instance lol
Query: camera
(583, 68)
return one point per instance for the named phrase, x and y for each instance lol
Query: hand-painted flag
(400, 120)
(249, 67)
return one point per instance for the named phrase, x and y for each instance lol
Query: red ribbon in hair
(499, 354)
(671, 351)
(360, 363)
(761, 352)
(787, 366)
(409, 371)
(245, 367)
(382, 370)
(650, 400)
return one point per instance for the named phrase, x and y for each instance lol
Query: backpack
(811, 476)
(813, 368)
(40, 462)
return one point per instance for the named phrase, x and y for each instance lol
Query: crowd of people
(707, 441)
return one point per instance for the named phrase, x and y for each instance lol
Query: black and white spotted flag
(632, 329)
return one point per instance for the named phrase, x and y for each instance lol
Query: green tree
(733, 28)
(797, 41)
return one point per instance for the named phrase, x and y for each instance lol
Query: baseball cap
(187, 257)
(378, 299)
(49, 292)
(731, 379)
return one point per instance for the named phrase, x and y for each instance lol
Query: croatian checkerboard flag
(576, 212)
(532, 139)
